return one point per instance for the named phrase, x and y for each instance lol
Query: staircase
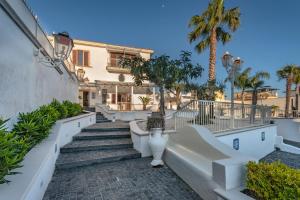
(99, 143)
(100, 118)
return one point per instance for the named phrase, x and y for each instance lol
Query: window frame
(76, 60)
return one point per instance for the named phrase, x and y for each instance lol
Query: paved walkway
(290, 159)
(130, 179)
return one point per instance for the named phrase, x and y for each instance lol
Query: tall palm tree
(242, 82)
(210, 28)
(255, 82)
(288, 73)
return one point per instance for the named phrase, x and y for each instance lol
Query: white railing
(222, 116)
(277, 113)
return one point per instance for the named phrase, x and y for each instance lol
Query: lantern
(63, 45)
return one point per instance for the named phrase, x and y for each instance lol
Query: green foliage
(12, 151)
(273, 181)
(73, 109)
(31, 129)
(208, 90)
(155, 122)
(61, 108)
(145, 101)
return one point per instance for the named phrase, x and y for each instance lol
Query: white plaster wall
(26, 84)
(99, 57)
(250, 142)
(289, 129)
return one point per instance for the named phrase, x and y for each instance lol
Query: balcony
(113, 66)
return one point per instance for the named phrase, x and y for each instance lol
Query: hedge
(273, 181)
(31, 129)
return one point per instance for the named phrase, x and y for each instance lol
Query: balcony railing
(113, 66)
(221, 116)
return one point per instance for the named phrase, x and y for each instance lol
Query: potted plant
(157, 140)
(145, 101)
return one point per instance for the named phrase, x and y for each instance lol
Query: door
(85, 99)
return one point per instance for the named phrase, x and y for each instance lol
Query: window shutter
(74, 57)
(86, 58)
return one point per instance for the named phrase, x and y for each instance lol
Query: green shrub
(62, 109)
(273, 181)
(31, 129)
(73, 108)
(12, 152)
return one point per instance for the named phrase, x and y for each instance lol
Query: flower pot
(157, 142)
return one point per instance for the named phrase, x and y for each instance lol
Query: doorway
(85, 99)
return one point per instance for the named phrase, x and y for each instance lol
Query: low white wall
(250, 140)
(140, 139)
(39, 163)
(289, 129)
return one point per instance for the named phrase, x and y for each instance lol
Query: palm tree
(297, 83)
(210, 28)
(288, 73)
(255, 82)
(145, 101)
(242, 83)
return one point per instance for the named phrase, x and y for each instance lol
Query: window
(93, 95)
(81, 58)
(116, 57)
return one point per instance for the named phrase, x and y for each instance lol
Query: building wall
(26, 84)
(99, 57)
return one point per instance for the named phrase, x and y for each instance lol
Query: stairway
(99, 143)
(100, 118)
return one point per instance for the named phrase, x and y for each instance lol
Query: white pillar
(116, 100)
(131, 98)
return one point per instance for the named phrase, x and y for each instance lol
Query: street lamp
(63, 45)
(232, 66)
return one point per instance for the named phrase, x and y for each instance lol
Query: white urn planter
(157, 143)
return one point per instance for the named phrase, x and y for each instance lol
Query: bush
(62, 109)
(72, 108)
(31, 129)
(12, 152)
(273, 181)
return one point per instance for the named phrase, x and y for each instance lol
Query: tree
(162, 71)
(209, 27)
(145, 101)
(242, 83)
(255, 82)
(183, 72)
(288, 73)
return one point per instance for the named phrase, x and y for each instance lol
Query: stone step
(90, 145)
(101, 135)
(105, 129)
(102, 120)
(79, 159)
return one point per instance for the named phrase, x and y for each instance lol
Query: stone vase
(157, 143)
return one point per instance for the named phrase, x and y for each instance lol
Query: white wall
(250, 142)
(25, 84)
(289, 129)
(99, 57)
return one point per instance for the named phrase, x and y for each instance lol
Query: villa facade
(104, 81)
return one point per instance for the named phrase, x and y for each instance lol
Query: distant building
(266, 92)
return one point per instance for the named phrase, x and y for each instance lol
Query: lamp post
(232, 66)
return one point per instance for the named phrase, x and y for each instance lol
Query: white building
(104, 81)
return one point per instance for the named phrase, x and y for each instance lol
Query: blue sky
(268, 38)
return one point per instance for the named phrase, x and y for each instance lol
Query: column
(154, 100)
(131, 106)
(116, 97)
